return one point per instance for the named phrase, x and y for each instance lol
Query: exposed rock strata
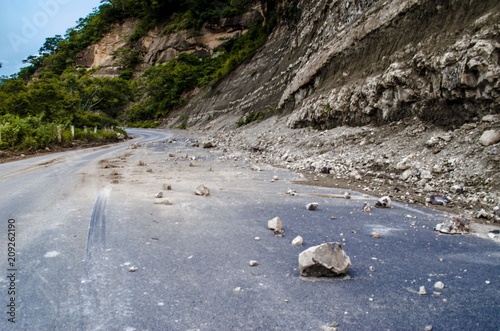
(158, 46)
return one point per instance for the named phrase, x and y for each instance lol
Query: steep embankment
(391, 95)
(362, 62)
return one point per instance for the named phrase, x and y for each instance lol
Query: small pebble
(439, 285)
(298, 241)
(422, 290)
(253, 263)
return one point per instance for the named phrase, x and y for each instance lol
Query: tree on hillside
(51, 44)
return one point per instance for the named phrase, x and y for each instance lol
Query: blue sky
(24, 26)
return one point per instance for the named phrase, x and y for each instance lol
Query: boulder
(202, 190)
(489, 137)
(275, 224)
(325, 260)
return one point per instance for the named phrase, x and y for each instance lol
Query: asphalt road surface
(95, 250)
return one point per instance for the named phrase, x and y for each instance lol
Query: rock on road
(97, 250)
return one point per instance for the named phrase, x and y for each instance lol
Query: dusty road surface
(96, 250)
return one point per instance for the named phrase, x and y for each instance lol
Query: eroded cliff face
(370, 62)
(159, 47)
(390, 97)
(100, 55)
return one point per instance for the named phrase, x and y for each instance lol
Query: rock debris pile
(408, 160)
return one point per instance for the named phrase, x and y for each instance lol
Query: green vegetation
(52, 92)
(162, 88)
(30, 113)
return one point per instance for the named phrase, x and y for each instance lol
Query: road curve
(95, 250)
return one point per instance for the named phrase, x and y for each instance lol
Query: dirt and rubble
(408, 160)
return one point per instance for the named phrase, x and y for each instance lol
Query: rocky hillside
(158, 47)
(397, 97)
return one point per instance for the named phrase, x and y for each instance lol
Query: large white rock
(275, 224)
(489, 137)
(325, 260)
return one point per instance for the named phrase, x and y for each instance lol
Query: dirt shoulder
(9, 156)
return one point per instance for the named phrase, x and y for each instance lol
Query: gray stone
(483, 214)
(208, 144)
(425, 174)
(298, 241)
(439, 200)
(432, 142)
(202, 190)
(456, 189)
(255, 168)
(312, 206)
(491, 118)
(422, 290)
(275, 224)
(439, 285)
(489, 137)
(408, 173)
(159, 195)
(456, 225)
(325, 260)
(355, 175)
(383, 202)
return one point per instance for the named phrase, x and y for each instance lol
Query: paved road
(83, 219)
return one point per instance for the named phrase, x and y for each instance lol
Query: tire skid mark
(93, 280)
(102, 311)
(96, 237)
